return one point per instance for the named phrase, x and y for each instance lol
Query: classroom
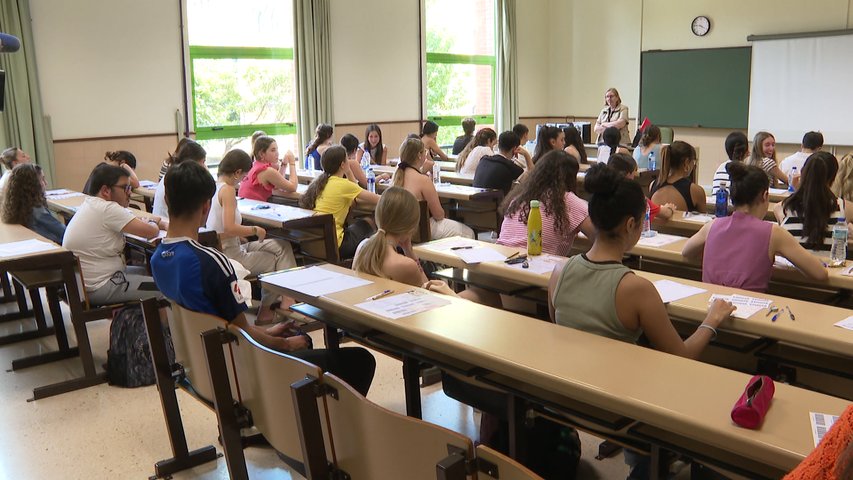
(126, 77)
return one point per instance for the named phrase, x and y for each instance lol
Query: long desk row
(661, 398)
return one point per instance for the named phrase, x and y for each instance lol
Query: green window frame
(457, 59)
(199, 52)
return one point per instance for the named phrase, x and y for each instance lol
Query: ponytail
(410, 154)
(331, 162)
(393, 216)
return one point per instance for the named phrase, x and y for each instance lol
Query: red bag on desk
(752, 406)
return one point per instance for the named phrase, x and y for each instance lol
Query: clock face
(701, 25)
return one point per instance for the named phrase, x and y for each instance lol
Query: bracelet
(712, 329)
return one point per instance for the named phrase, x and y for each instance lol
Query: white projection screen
(803, 84)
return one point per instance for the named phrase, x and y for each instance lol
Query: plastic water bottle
(722, 205)
(653, 164)
(791, 175)
(838, 253)
(647, 223)
(436, 174)
(365, 162)
(534, 229)
(371, 180)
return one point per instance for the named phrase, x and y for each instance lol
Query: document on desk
(540, 264)
(659, 240)
(450, 243)
(821, 423)
(473, 256)
(147, 184)
(24, 247)
(671, 291)
(315, 281)
(62, 193)
(160, 236)
(746, 306)
(846, 323)
(781, 261)
(697, 217)
(847, 271)
(778, 191)
(404, 304)
(275, 213)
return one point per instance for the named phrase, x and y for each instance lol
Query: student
(350, 144)
(614, 114)
(812, 210)
(737, 149)
(202, 279)
(322, 140)
(481, 145)
(763, 156)
(168, 160)
(738, 251)
(267, 174)
(499, 171)
(842, 187)
(258, 134)
(812, 142)
(260, 256)
(463, 140)
(627, 166)
(832, 459)
(125, 160)
(595, 293)
(24, 203)
(429, 134)
(548, 138)
(523, 158)
(410, 175)
(649, 144)
(332, 193)
(552, 182)
(11, 157)
(96, 236)
(574, 144)
(373, 145)
(610, 146)
(677, 163)
(190, 151)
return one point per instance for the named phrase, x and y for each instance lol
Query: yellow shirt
(337, 199)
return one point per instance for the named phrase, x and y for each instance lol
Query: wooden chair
(493, 465)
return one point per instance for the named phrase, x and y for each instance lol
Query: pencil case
(752, 406)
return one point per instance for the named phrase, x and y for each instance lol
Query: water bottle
(838, 254)
(722, 206)
(647, 223)
(534, 229)
(365, 161)
(653, 164)
(436, 174)
(791, 175)
(371, 181)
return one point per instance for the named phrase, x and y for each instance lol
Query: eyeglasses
(126, 187)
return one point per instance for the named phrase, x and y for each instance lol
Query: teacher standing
(614, 114)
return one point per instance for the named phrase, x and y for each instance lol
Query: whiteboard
(803, 84)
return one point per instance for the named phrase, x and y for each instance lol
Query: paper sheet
(160, 236)
(62, 193)
(659, 240)
(540, 264)
(671, 291)
(443, 245)
(821, 422)
(847, 271)
(697, 217)
(846, 323)
(783, 262)
(57, 191)
(746, 306)
(14, 249)
(778, 191)
(404, 304)
(479, 255)
(276, 213)
(315, 281)
(147, 184)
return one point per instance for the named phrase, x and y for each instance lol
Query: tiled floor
(107, 432)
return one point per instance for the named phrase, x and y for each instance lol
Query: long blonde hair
(481, 139)
(410, 155)
(393, 217)
(756, 158)
(842, 186)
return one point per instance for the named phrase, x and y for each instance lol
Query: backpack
(129, 361)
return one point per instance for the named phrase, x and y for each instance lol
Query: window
(242, 71)
(460, 64)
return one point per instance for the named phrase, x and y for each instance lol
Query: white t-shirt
(721, 175)
(4, 179)
(215, 219)
(95, 235)
(796, 160)
(473, 159)
(159, 208)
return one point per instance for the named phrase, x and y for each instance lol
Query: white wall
(375, 66)
(532, 45)
(108, 67)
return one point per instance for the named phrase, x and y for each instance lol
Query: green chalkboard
(688, 88)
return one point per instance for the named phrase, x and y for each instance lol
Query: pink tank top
(251, 187)
(736, 253)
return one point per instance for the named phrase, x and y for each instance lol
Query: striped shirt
(794, 224)
(514, 231)
(721, 175)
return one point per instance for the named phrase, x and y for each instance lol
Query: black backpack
(129, 356)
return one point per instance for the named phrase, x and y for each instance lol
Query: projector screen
(802, 84)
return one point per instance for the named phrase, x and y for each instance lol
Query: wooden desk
(685, 398)
(445, 166)
(457, 178)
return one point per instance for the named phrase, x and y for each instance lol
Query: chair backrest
(369, 441)
(186, 327)
(494, 465)
(666, 135)
(265, 376)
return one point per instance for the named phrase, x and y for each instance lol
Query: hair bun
(600, 179)
(736, 170)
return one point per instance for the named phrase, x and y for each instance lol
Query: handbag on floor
(129, 361)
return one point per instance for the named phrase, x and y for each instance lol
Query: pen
(379, 295)
(790, 313)
(461, 248)
(512, 256)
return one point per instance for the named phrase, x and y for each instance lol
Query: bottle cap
(534, 204)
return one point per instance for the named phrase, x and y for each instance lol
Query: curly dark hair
(24, 191)
(554, 175)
